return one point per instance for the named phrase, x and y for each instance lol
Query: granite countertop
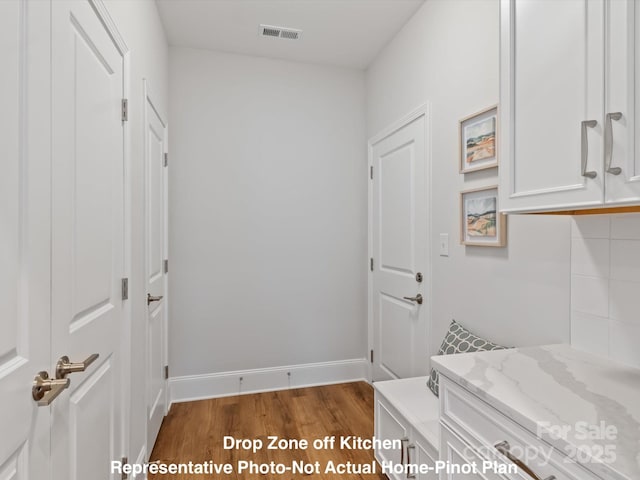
(560, 386)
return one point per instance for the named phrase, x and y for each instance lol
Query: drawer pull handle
(505, 449)
(409, 448)
(608, 143)
(402, 442)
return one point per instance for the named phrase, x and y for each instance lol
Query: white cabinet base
(406, 410)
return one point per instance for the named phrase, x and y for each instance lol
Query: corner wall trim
(213, 385)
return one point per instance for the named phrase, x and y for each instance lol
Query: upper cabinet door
(622, 103)
(551, 96)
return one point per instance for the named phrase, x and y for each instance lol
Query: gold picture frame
(481, 223)
(478, 140)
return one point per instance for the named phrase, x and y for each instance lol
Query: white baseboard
(198, 387)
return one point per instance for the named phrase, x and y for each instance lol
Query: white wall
(605, 286)
(140, 26)
(447, 55)
(268, 213)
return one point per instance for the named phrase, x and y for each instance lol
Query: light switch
(444, 244)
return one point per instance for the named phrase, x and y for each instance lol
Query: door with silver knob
(399, 279)
(88, 242)
(24, 238)
(156, 268)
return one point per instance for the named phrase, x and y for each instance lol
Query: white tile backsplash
(590, 295)
(625, 227)
(590, 256)
(625, 260)
(590, 333)
(624, 301)
(623, 342)
(605, 285)
(591, 226)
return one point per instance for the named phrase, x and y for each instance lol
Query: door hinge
(125, 289)
(371, 263)
(125, 110)
(371, 172)
(371, 356)
(166, 266)
(166, 372)
(125, 461)
(166, 159)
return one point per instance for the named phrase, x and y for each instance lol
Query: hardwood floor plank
(194, 431)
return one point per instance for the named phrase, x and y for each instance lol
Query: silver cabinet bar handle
(608, 143)
(409, 448)
(505, 449)
(584, 151)
(402, 442)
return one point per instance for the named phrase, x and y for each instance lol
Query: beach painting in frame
(481, 222)
(478, 134)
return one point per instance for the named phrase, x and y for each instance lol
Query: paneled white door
(399, 300)
(24, 236)
(87, 240)
(155, 254)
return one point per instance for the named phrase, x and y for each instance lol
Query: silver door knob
(151, 298)
(417, 299)
(46, 390)
(64, 366)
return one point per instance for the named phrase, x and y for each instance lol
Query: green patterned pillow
(459, 340)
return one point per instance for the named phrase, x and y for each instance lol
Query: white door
(87, 240)
(24, 236)
(551, 104)
(399, 243)
(155, 255)
(622, 103)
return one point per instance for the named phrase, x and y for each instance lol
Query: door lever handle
(64, 366)
(151, 298)
(417, 299)
(46, 390)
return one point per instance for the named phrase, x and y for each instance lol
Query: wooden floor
(194, 431)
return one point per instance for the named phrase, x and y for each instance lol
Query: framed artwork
(478, 140)
(481, 224)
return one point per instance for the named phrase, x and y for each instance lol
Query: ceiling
(347, 33)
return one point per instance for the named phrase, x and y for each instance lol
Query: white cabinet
(406, 410)
(567, 68)
(474, 432)
(456, 452)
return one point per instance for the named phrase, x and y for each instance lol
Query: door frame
(423, 110)
(110, 26)
(148, 100)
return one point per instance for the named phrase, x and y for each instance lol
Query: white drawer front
(483, 427)
(425, 454)
(389, 425)
(457, 453)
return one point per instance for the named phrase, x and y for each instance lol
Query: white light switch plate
(444, 244)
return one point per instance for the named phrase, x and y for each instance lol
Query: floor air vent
(280, 32)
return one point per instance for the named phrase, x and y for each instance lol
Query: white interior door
(400, 246)
(24, 236)
(87, 240)
(155, 255)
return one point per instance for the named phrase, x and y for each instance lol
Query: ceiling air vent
(280, 32)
